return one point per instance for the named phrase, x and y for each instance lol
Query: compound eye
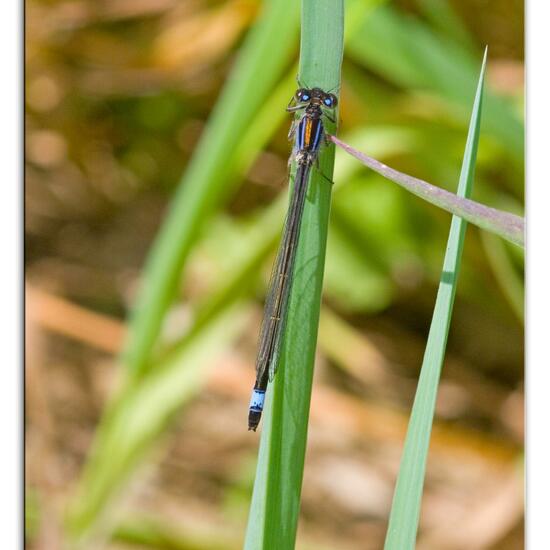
(331, 100)
(303, 95)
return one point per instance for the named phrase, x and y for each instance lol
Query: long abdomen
(276, 305)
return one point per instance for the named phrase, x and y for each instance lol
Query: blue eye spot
(305, 97)
(328, 102)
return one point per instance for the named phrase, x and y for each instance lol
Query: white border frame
(11, 235)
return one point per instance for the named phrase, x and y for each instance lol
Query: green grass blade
(405, 511)
(504, 224)
(275, 503)
(205, 181)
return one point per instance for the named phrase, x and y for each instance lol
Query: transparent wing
(281, 281)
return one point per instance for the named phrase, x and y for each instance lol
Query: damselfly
(309, 135)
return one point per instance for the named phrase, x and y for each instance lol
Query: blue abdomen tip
(257, 400)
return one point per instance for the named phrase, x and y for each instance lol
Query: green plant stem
(275, 503)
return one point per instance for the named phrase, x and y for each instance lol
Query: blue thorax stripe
(317, 139)
(301, 134)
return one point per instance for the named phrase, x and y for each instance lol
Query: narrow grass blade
(506, 225)
(205, 182)
(275, 503)
(405, 511)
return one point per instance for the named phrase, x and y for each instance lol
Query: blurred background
(117, 96)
